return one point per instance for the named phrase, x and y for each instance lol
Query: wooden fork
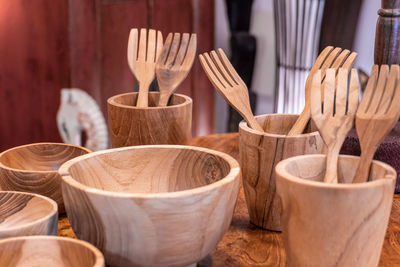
(142, 61)
(174, 64)
(377, 115)
(334, 117)
(229, 84)
(329, 58)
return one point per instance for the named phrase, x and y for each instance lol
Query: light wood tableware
(48, 251)
(132, 126)
(228, 83)
(33, 168)
(23, 214)
(329, 58)
(142, 56)
(151, 205)
(378, 113)
(334, 115)
(333, 224)
(259, 154)
(174, 63)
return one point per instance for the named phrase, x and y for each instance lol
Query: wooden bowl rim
(233, 174)
(37, 144)
(243, 126)
(282, 173)
(112, 102)
(53, 212)
(97, 253)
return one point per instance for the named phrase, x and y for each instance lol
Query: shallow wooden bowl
(34, 168)
(48, 251)
(23, 214)
(151, 205)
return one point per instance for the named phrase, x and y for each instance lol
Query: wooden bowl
(34, 168)
(48, 251)
(23, 214)
(131, 126)
(151, 205)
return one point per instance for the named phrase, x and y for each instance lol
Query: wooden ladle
(334, 116)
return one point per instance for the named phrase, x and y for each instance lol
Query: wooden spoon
(329, 58)
(174, 63)
(142, 61)
(377, 115)
(334, 117)
(229, 84)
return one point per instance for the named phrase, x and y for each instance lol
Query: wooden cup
(151, 205)
(34, 168)
(48, 251)
(333, 224)
(259, 154)
(23, 214)
(131, 126)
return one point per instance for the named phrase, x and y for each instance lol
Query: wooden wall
(46, 45)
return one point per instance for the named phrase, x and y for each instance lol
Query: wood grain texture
(33, 168)
(130, 125)
(24, 214)
(174, 194)
(259, 154)
(333, 224)
(46, 251)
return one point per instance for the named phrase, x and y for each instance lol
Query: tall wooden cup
(333, 224)
(130, 125)
(259, 154)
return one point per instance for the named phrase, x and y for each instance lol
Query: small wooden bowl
(34, 168)
(48, 251)
(131, 126)
(151, 205)
(23, 214)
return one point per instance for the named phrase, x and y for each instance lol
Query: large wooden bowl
(151, 205)
(23, 214)
(34, 168)
(48, 251)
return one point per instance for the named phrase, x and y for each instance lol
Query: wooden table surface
(247, 245)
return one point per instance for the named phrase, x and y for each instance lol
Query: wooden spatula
(329, 58)
(377, 115)
(334, 116)
(174, 64)
(142, 61)
(228, 83)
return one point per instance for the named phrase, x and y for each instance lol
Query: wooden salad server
(174, 63)
(334, 116)
(329, 58)
(142, 61)
(378, 113)
(229, 84)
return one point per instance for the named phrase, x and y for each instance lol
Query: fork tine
(159, 45)
(321, 58)
(191, 51)
(369, 91)
(174, 49)
(165, 50)
(142, 45)
(132, 47)
(340, 59)
(394, 109)
(328, 62)
(182, 49)
(222, 69)
(348, 63)
(379, 91)
(341, 92)
(388, 92)
(235, 76)
(316, 94)
(151, 46)
(329, 92)
(354, 93)
(214, 71)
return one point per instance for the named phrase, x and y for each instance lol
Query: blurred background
(47, 45)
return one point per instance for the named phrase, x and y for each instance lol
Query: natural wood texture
(378, 113)
(387, 36)
(333, 224)
(23, 214)
(143, 53)
(334, 112)
(259, 154)
(33, 168)
(328, 58)
(173, 65)
(46, 251)
(247, 245)
(130, 125)
(172, 195)
(228, 83)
